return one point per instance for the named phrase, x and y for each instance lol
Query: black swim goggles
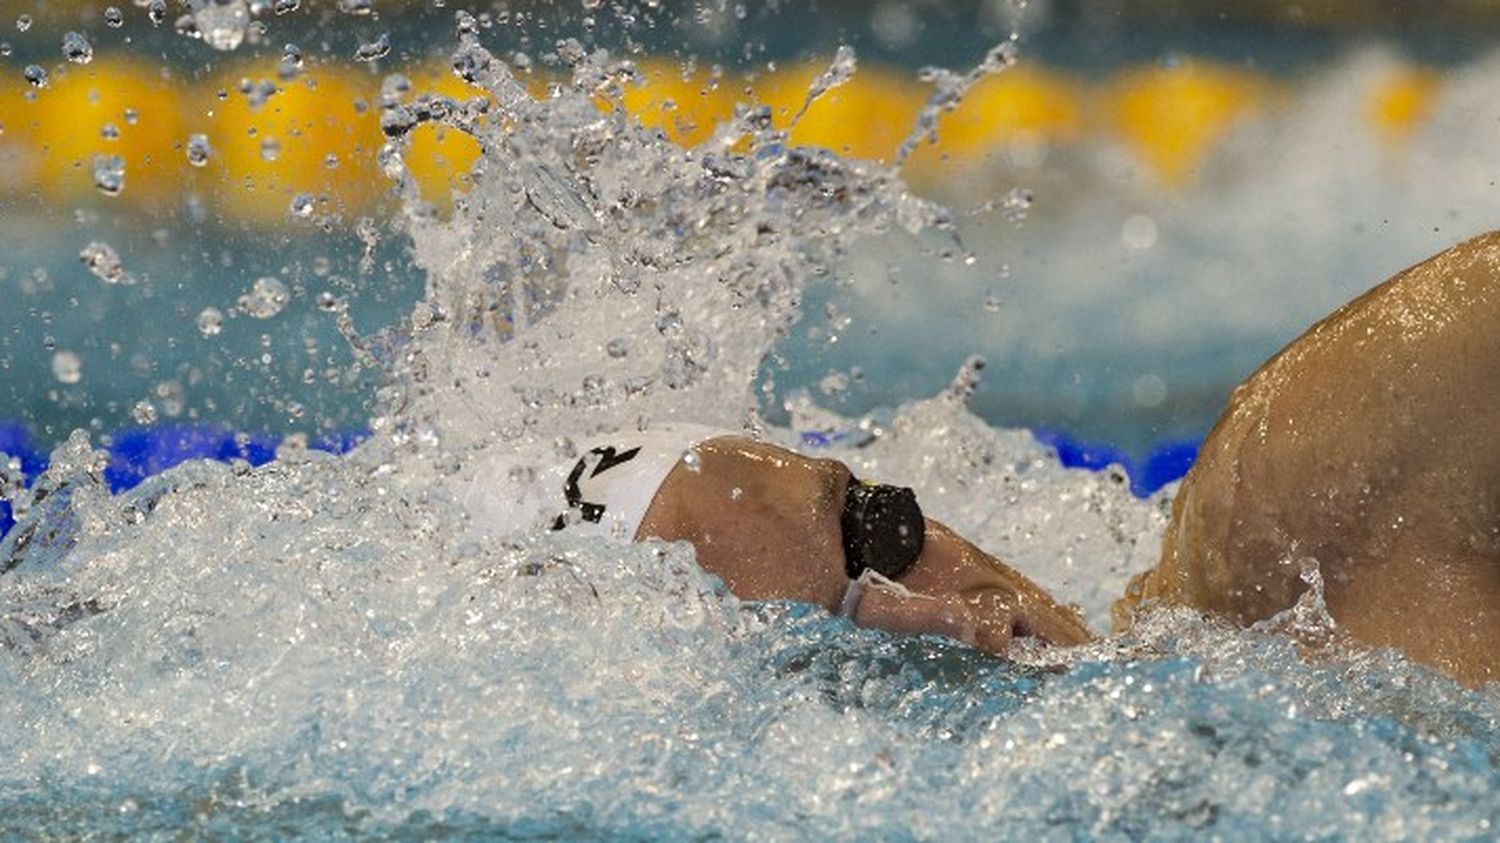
(883, 529)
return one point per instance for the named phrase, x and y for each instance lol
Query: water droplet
(156, 10)
(267, 297)
(222, 23)
(169, 395)
(1017, 203)
(144, 412)
(1149, 391)
(1001, 56)
(373, 50)
(303, 205)
(109, 174)
(1138, 233)
(113, 17)
(210, 321)
(198, 150)
(66, 367)
(282, 7)
(992, 301)
(692, 461)
(77, 48)
(291, 62)
(390, 162)
(356, 7)
(669, 324)
(104, 262)
(834, 383)
(36, 76)
(23, 23)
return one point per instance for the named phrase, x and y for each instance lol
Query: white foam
(316, 645)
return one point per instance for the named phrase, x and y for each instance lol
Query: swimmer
(776, 525)
(1371, 444)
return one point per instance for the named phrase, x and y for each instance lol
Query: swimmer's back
(1371, 444)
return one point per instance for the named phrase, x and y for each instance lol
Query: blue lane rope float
(137, 454)
(1166, 462)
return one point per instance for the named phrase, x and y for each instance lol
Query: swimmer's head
(776, 525)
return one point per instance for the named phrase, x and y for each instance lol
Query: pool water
(310, 646)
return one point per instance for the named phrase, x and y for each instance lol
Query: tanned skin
(766, 521)
(1372, 445)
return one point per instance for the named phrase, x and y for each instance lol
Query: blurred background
(1152, 199)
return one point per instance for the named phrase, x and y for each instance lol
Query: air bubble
(35, 75)
(67, 367)
(113, 17)
(267, 297)
(617, 348)
(77, 48)
(282, 7)
(109, 131)
(270, 149)
(23, 23)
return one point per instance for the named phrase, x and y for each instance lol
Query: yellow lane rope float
(278, 143)
(257, 146)
(111, 127)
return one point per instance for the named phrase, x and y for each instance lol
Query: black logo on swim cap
(591, 512)
(883, 529)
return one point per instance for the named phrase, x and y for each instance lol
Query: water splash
(317, 645)
(699, 257)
